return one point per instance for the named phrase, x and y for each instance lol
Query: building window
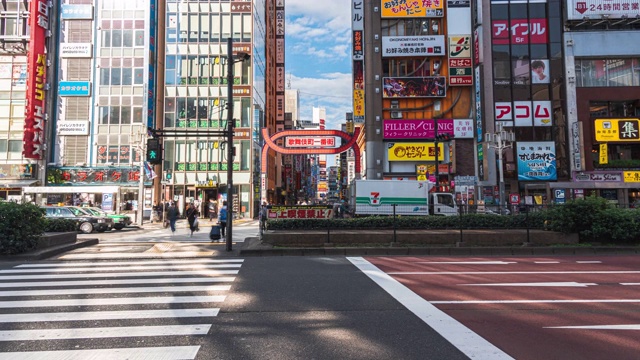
(607, 72)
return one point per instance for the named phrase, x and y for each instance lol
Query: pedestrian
(172, 216)
(212, 209)
(192, 218)
(222, 218)
(263, 216)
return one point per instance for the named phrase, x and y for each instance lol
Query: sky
(317, 56)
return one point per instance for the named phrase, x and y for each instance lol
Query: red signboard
(34, 122)
(519, 31)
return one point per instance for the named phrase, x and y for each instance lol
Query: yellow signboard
(358, 102)
(397, 9)
(414, 151)
(617, 130)
(631, 176)
(604, 154)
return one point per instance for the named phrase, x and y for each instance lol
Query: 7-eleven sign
(374, 199)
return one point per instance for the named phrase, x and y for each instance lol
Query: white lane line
(108, 315)
(140, 353)
(630, 284)
(176, 254)
(127, 290)
(469, 262)
(534, 284)
(112, 301)
(124, 268)
(470, 343)
(117, 282)
(599, 327)
(546, 262)
(507, 272)
(122, 274)
(589, 262)
(536, 301)
(105, 332)
(144, 262)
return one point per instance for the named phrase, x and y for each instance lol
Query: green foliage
(22, 225)
(60, 225)
(617, 226)
(577, 216)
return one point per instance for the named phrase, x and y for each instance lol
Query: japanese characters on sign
(414, 151)
(425, 128)
(519, 31)
(593, 9)
(310, 141)
(536, 161)
(95, 176)
(299, 212)
(34, 122)
(524, 113)
(424, 8)
(432, 45)
(617, 130)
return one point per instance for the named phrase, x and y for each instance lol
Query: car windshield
(79, 212)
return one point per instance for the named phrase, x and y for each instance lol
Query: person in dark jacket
(222, 218)
(192, 216)
(172, 215)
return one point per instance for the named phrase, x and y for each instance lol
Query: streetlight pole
(230, 63)
(499, 142)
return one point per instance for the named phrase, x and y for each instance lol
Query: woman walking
(192, 218)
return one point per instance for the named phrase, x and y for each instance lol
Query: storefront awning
(70, 189)
(16, 184)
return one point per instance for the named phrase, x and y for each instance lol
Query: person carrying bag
(192, 218)
(222, 218)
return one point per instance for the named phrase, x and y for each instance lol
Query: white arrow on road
(600, 327)
(542, 284)
(469, 262)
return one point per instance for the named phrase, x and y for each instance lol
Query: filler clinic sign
(34, 122)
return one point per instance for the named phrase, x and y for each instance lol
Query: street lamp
(230, 61)
(500, 141)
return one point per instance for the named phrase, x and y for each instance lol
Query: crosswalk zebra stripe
(123, 268)
(162, 280)
(145, 289)
(114, 263)
(112, 301)
(108, 315)
(104, 332)
(120, 255)
(119, 274)
(141, 353)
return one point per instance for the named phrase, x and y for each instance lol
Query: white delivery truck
(410, 197)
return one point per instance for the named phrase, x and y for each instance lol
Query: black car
(86, 223)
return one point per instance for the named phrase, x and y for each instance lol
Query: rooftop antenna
(289, 82)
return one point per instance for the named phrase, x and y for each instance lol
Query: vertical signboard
(280, 72)
(34, 122)
(357, 27)
(151, 60)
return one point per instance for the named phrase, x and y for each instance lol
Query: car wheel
(118, 227)
(86, 228)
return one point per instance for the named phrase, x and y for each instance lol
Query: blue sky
(317, 63)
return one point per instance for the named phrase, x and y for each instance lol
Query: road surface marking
(108, 290)
(546, 262)
(589, 262)
(141, 353)
(630, 284)
(112, 301)
(470, 343)
(599, 327)
(177, 254)
(108, 315)
(105, 332)
(121, 274)
(551, 284)
(123, 268)
(161, 280)
(507, 272)
(469, 262)
(145, 262)
(535, 301)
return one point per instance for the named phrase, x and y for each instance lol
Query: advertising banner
(310, 141)
(75, 50)
(300, 212)
(536, 161)
(34, 122)
(425, 151)
(73, 127)
(524, 113)
(595, 9)
(425, 128)
(74, 88)
(428, 86)
(94, 176)
(76, 12)
(395, 46)
(519, 31)
(395, 8)
(617, 130)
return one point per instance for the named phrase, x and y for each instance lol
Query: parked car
(119, 220)
(86, 223)
(79, 211)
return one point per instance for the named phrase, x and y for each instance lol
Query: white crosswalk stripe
(69, 306)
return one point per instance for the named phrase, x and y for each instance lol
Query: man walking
(222, 217)
(172, 216)
(192, 217)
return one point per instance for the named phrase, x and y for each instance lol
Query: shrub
(22, 225)
(60, 225)
(577, 216)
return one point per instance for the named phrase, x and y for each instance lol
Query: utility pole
(230, 76)
(500, 141)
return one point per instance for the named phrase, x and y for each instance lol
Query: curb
(50, 251)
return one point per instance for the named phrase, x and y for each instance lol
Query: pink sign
(519, 31)
(416, 129)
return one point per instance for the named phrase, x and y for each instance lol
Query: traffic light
(154, 151)
(444, 137)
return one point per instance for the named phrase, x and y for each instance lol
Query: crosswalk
(138, 309)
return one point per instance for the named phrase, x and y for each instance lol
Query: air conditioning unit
(396, 114)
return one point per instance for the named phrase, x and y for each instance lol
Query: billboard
(617, 130)
(76, 12)
(425, 128)
(34, 122)
(420, 151)
(74, 88)
(519, 31)
(536, 161)
(398, 9)
(401, 87)
(524, 113)
(595, 9)
(76, 50)
(396, 46)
